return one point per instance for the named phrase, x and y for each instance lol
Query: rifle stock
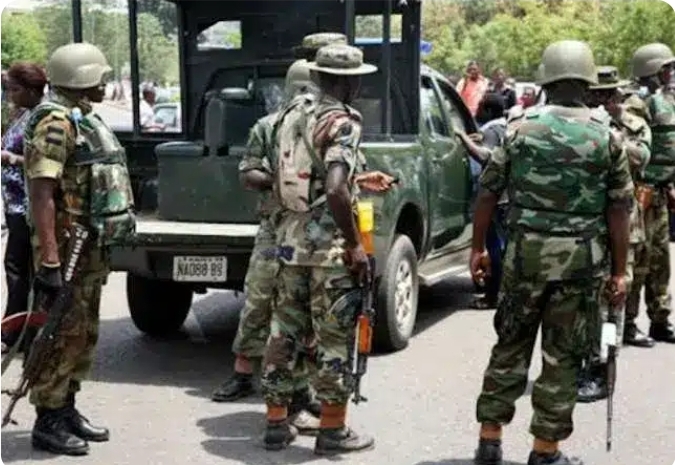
(363, 334)
(43, 343)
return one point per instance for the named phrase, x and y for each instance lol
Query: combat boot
(489, 452)
(632, 336)
(279, 434)
(557, 458)
(238, 386)
(341, 441)
(662, 332)
(592, 385)
(52, 433)
(79, 425)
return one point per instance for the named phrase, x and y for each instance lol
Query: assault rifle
(363, 334)
(608, 349)
(43, 343)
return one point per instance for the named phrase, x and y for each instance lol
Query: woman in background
(25, 85)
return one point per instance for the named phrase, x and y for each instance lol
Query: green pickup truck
(197, 224)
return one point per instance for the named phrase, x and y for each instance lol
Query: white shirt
(147, 114)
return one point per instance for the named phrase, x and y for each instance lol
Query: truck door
(447, 196)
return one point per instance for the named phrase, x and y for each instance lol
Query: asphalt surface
(154, 396)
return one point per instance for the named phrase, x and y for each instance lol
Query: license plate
(200, 269)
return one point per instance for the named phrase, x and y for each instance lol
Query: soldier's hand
(357, 261)
(616, 290)
(48, 280)
(480, 266)
(375, 181)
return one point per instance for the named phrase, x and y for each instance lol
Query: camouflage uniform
(310, 247)
(652, 267)
(556, 255)
(64, 142)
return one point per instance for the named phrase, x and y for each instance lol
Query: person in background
(147, 103)
(472, 87)
(500, 86)
(25, 89)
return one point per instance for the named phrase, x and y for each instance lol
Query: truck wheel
(158, 308)
(397, 296)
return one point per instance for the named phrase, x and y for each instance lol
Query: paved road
(154, 396)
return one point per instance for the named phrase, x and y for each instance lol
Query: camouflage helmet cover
(649, 59)
(608, 78)
(77, 66)
(567, 59)
(341, 60)
(298, 77)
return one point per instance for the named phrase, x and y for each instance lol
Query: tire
(157, 308)
(396, 300)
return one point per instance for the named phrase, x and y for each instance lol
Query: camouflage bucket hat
(341, 60)
(313, 42)
(608, 78)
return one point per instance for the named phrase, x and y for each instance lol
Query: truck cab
(197, 224)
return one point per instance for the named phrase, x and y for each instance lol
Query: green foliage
(514, 33)
(22, 40)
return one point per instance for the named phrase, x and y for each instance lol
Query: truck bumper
(152, 250)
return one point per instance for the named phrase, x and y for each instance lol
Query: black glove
(48, 280)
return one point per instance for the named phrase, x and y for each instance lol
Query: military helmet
(298, 76)
(649, 59)
(567, 59)
(341, 60)
(77, 66)
(608, 78)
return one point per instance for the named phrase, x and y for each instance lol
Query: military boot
(592, 385)
(52, 433)
(557, 458)
(663, 332)
(341, 441)
(238, 386)
(489, 452)
(79, 425)
(279, 434)
(632, 336)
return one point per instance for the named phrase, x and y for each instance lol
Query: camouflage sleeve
(340, 138)
(637, 107)
(620, 186)
(643, 142)
(256, 151)
(48, 146)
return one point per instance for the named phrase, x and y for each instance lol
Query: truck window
(431, 108)
(456, 120)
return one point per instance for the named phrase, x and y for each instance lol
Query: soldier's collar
(69, 100)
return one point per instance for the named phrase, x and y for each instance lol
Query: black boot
(279, 434)
(592, 385)
(240, 385)
(552, 459)
(80, 426)
(632, 336)
(662, 332)
(52, 433)
(489, 452)
(341, 441)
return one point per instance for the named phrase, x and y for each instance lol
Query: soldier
(636, 137)
(319, 248)
(652, 65)
(76, 172)
(555, 258)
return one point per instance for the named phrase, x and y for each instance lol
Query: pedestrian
(66, 143)
(499, 85)
(555, 260)
(636, 137)
(652, 66)
(25, 88)
(322, 260)
(472, 87)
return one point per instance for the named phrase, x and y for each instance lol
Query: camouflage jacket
(561, 167)
(49, 151)
(312, 238)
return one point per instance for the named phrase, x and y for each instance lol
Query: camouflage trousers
(568, 315)
(652, 265)
(333, 301)
(74, 348)
(254, 324)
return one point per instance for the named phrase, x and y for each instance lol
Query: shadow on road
(441, 301)
(238, 437)
(16, 446)
(461, 462)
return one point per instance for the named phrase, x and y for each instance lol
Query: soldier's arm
(340, 157)
(638, 148)
(620, 198)
(480, 153)
(46, 154)
(253, 173)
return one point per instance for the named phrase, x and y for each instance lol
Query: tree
(57, 25)
(22, 40)
(157, 54)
